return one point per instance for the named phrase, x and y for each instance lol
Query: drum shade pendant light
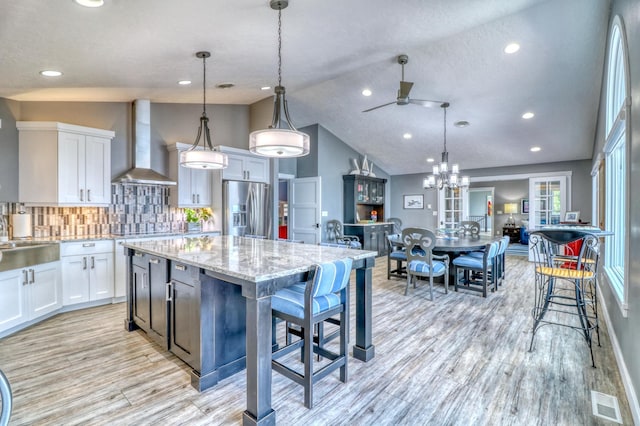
(442, 177)
(204, 157)
(276, 141)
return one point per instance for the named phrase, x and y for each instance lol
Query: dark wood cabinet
(513, 232)
(362, 196)
(184, 309)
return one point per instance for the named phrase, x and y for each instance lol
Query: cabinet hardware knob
(154, 260)
(89, 245)
(82, 195)
(84, 263)
(181, 267)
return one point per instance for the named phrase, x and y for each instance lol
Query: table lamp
(511, 208)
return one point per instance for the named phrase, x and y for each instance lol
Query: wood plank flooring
(459, 360)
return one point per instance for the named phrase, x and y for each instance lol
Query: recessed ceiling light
(512, 48)
(184, 82)
(90, 3)
(430, 160)
(225, 85)
(535, 149)
(528, 115)
(366, 92)
(462, 123)
(407, 136)
(265, 88)
(51, 73)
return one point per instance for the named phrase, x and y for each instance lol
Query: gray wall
(411, 185)
(330, 158)
(9, 113)
(627, 329)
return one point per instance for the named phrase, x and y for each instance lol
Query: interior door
(305, 209)
(453, 207)
(547, 202)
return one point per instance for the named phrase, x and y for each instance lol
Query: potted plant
(195, 218)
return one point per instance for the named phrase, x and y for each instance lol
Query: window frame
(616, 157)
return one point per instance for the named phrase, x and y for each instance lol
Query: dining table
(259, 267)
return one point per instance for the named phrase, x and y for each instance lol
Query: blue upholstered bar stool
(326, 294)
(6, 399)
(485, 266)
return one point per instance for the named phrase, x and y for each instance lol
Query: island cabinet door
(141, 292)
(159, 284)
(184, 314)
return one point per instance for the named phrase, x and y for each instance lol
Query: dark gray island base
(208, 300)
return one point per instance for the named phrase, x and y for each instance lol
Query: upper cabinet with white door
(245, 166)
(193, 185)
(64, 164)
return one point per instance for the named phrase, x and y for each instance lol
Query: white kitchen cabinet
(63, 164)
(245, 166)
(28, 293)
(193, 187)
(87, 271)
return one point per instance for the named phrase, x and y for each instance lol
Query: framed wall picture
(524, 206)
(414, 201)
(573, 217)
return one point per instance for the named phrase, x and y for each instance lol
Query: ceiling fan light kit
(442, 177)
(276, 141)
(205, 157)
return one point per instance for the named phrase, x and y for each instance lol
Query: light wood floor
(460, 360)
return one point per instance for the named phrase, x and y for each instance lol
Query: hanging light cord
(445, 129)
(279, 47)
(204, 86)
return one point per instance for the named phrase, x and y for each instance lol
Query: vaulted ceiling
(332, 50)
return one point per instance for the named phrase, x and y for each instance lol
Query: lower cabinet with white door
(29, 293)
(87, 271)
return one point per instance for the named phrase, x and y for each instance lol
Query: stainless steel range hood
(141, 173)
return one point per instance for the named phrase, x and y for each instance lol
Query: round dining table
(462, 243)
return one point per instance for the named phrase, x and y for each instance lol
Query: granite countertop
(248, 259)
(80, 238)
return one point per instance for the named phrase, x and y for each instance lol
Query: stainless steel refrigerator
(247, 208)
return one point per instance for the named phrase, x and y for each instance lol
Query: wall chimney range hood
(141, 173)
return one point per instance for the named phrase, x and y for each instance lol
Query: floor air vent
(605, 406)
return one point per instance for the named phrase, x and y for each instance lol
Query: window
(615, 155)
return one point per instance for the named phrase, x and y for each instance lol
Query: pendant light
(276, 141)
(204, 157)
(442, 177)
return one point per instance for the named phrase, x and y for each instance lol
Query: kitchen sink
(20, 254)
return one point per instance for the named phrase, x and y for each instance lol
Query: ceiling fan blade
(379, 106)
(405, 88)
(426, 102)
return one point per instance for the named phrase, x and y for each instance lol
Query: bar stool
(6, 399)
(566, 270)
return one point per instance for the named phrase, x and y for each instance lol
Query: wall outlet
(429, 206)
(325, 213)
(435, 213)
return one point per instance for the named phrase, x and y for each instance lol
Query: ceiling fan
(403, 92)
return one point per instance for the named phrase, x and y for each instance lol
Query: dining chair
(397, 224)
(499, 260)
(326, 294)
(566, 271)
(6, 400)
(421, 262)
(469, 227)
(335, 235)
(396, 255)
(478, 273)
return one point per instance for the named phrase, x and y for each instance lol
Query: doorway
(481, 208)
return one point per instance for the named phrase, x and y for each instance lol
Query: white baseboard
(632, 397)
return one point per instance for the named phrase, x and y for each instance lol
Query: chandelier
(205, 157)
(275, 141)
(442, 177)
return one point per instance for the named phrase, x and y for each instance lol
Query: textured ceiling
(332, 49)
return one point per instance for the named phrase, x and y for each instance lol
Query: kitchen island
(208, 280)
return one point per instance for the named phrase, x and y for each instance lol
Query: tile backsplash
(134, 209)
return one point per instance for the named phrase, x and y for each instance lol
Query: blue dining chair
(499, 259)
(335, 235)
(421, 262)
(397, 255)
(326, 294)
(478, 273)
